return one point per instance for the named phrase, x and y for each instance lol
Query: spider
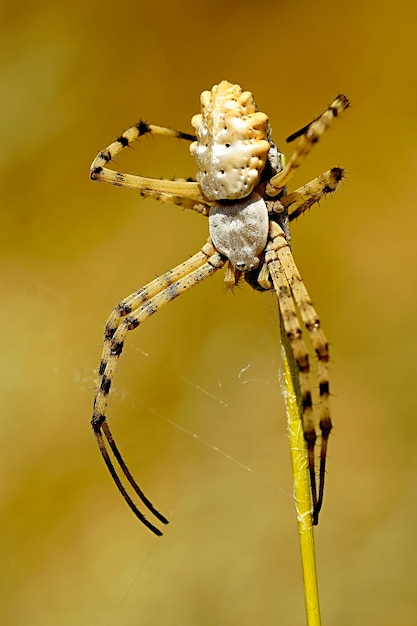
(241, 187)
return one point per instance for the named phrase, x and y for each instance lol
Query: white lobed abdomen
(232, 142)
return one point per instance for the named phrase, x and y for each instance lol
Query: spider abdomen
(239, 230)
(232, 142)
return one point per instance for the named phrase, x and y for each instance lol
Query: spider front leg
(293, 296)
(321, 348)
(128, 315)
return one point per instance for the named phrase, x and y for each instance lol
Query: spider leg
(177, 191)
(128, 315)
(104, 452)
(309, 137)
(304, 197)
(290, 321)
(321, 348)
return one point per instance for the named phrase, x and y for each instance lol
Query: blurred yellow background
(198, 411)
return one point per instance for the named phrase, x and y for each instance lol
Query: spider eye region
(239, 230)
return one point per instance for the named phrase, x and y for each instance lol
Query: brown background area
(198, 410)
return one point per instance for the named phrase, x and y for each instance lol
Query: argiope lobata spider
(240, 187)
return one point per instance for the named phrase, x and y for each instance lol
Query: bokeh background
(198, 411)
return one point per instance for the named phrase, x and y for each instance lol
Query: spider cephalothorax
(241, 188)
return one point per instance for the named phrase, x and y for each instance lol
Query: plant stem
(299, 461)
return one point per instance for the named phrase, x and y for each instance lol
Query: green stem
(299, 461)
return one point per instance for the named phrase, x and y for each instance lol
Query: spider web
(64, 395)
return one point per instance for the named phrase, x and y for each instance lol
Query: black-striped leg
(307, 138)
(128, 315)
(293, 297)
(184, 193)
